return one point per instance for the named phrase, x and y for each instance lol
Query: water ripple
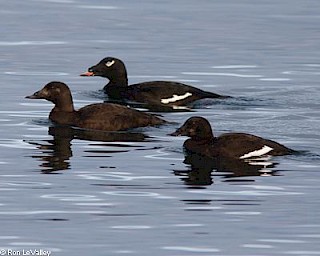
(25, 244)
(188, 225)
(94, 204)
(281, 241)
(59, 1)
(246, 213)
(23, 43)
(258, 246)
(275, 79)
(48, 212)
(247, 193)
(263, 187)
(9, 237)
(33, 73)
(131, 193)
(203, 208)
(24, 184)
(301, 73)
(221, 74)
(304, 253)
(312, 65)
(309, 235)
(160, 154)
(131, 227)
(16, 143)
(191, 249)
(72, 197)
(234, 66)
(153, 77)
(117, 176)
(98, 7)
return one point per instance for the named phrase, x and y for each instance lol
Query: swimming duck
(234, 145)
(99, 116)
(165, 93)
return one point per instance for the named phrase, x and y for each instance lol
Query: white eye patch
(110, 63)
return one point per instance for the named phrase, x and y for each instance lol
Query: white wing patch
(110, 63)
(175, 98)
(260, 152)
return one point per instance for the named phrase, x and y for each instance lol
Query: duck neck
(119, 79)
(64, 103)
(204, 140)
(117, 87)
(118, 83)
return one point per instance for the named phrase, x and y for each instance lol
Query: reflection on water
(200, 169)
(55, 154)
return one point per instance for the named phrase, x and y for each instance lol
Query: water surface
(71, 193)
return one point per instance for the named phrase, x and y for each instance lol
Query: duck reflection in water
(55, 153)
(202, 169)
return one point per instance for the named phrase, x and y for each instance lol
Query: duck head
(111, 68)
(196, 128)
(56, 92)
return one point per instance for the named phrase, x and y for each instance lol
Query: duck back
(242, 145)
(167, 93)
(113, 117)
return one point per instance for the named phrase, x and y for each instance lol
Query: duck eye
(110, 63)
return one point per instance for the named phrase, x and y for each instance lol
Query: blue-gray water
(74, 196)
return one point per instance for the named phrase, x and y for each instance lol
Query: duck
(154, 93)
(229, 145)
(98, 116)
